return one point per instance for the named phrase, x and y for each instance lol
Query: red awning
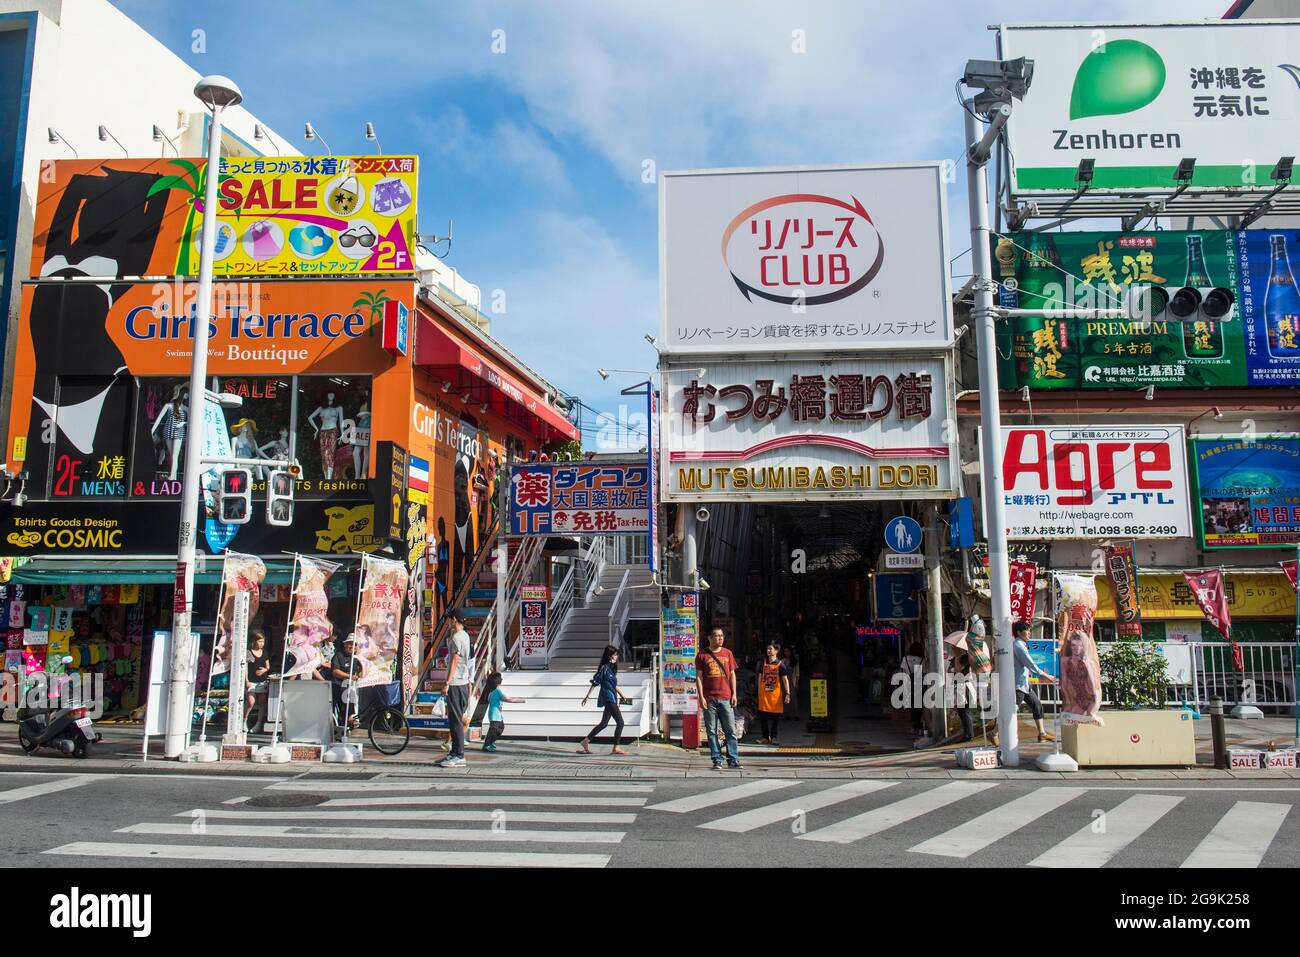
(437, 351)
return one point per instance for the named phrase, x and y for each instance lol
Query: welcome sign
(1138, 99)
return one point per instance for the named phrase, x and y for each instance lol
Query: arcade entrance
(813, 578)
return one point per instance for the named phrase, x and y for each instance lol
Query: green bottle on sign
(1202, 338)
(1046, 354)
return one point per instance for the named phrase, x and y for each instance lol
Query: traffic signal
(279, 498)
(236, 502)
(1187, 304)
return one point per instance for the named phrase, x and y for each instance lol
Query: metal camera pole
(995, 526)
(216, 92)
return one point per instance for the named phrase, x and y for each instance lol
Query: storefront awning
(125, 571)
(466, 368)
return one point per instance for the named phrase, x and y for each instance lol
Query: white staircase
(554, 706)
(586, 632)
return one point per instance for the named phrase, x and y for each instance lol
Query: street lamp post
(217, 93)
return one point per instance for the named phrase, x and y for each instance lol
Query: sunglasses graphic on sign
(357, 235)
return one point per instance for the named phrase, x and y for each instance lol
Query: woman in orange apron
(773, 692)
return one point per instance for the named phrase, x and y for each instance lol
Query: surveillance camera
(701, 514)
(1003, 78)
(704, 585)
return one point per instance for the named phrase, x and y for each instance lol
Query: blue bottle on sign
(1282, 304)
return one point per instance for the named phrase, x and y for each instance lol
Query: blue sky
(537, 150)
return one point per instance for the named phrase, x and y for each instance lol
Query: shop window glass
(261, 426)
(161, 432)
(333, 428)
(91, 437)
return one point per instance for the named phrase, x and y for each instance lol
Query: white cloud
(510, 148)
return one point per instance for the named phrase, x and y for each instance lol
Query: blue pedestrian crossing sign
(903, 534)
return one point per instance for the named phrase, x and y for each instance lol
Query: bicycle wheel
(389, 732)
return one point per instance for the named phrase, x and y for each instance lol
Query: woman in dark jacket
(606, 678)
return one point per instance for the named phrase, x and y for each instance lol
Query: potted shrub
(1133, 675)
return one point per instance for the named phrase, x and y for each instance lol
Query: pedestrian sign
(903, 534)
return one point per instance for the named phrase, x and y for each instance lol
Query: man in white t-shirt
(458, 680)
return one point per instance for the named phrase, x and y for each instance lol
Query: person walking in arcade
(773, 692)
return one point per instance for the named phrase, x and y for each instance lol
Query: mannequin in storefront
(361, 443)
(170, 426)
(245, 444)
(464, 533)
(327, 420)
(277, 448)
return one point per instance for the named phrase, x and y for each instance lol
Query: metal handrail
(522, 567)
(593, 566)
(618, 611)
(561, 605)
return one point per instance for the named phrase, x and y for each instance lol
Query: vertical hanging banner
(1076, 608)
(532, 626)
(680, 635)
(1024, 581)
(1121, 570)
(379, 614)
(309, 624)
(1212, 597)
(652, 458)
(241, 574)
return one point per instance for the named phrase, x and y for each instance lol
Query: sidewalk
(120, 752)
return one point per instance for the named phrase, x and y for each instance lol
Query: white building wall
(93, 65)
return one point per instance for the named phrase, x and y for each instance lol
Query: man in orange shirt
(715, 680)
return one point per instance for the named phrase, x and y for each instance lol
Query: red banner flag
(1290, 569)
(1209, 591)
(1024, 580)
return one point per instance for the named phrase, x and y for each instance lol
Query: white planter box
(1133, 738)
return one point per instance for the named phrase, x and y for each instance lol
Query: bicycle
(385, 724)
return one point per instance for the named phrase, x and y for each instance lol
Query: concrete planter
(1133, 738)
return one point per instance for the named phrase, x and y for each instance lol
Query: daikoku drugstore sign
(1138, 99)
(803, 259)
(1095, 482)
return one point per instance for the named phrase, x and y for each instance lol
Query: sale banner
(1024, 580)
(240, 573)
(1208, 590)
(1121, 571)
(309, 624)
(289, 216)
(1076, 609)
(379, 613)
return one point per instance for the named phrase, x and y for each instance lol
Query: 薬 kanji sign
(571, 498)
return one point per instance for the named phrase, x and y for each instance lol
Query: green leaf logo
(1118, 77)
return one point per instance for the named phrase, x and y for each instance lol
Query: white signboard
(1138, 99)
(784, 260)
(896, 560)
(861, 427)
(1095, 482)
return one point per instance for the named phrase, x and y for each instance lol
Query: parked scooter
(67, 730)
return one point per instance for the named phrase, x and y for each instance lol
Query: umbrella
(958, 640)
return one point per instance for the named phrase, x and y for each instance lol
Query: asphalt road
(205, 819)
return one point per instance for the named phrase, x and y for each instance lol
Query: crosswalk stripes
(1003, 821)
(1094, 846)
(783, 811)
(891, 815)
(697, 802)
(1241, 837)
(491, 831)
(14, 795)
(323, 855)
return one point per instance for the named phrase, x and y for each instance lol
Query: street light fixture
(1000, 83)
(216, 93)
(309, 133)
